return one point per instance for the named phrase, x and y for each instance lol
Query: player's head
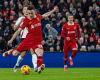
(70, 18)
(30, 11)
(25, 10)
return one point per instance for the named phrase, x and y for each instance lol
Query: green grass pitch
(53, 74)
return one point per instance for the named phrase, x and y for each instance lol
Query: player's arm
(49, 13)
(18, 22)
(63, 32)
(23, 25)
(14, 36)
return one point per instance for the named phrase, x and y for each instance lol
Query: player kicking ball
(22, 37)
(34, 37)
(70, 32)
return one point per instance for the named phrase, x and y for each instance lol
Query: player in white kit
(23, 35)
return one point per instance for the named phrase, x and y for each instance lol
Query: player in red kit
(70, 32)
(33, 39)
(23, 35)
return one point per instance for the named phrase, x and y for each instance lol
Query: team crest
(30, 22)
(32, 26)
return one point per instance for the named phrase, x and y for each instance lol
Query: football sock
(74, 52)
(65, 65)
(19, 60)
(39, 61)
(65, 55)
(34, 60)
(65, 61)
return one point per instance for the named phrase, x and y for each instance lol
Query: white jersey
(24, 32)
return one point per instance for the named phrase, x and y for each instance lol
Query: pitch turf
(53, 74)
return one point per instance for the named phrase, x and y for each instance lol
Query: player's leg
(40, 65)
(19, 60)
(34, 59)
(74, 52)
(65, 50)
(39, 51)
(8, 52)
(39, 61)
(15, 52)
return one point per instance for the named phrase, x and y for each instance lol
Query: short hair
(25, 5)
(25, 2)
(30, 7)
(71, 15)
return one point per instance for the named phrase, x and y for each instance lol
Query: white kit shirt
(24, 32)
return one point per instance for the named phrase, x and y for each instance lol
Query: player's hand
(9, 42)
(55, 8)
(67, 38)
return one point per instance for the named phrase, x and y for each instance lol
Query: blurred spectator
(44, 45)
(98, 23)
(50, 43)
(62, 4)
(48, 30)
(81, 45)
(51, 49)
(86, 13)
(98, 45)
(91, 23)
(91, 44)
(3, 45)
(58, 44)
(84, 23)
(93, 34)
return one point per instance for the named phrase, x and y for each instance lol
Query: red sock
(74, 52)
(65, 61)
(65, 56)
(39, 61)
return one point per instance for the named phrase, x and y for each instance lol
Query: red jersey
(94, 36)
(71, 31)
(34, 28)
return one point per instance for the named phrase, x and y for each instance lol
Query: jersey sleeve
(40, 16)
(19, 20)
(63, 32)
(24, 24)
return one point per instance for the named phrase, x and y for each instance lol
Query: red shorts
(27, 45)
(21, 39)
(70, 45)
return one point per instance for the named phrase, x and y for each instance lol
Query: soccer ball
(25, 69)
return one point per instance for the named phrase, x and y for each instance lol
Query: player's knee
(39, 52)
(22, 54)
(32, 51)
(15, 53)
(75, 49)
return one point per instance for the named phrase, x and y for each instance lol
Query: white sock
(70, 57)
(19, 60)
(65, 65)
(34, 60)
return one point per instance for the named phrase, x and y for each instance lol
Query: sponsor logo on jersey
(71, 32)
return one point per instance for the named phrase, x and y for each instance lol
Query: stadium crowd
(86, 13)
